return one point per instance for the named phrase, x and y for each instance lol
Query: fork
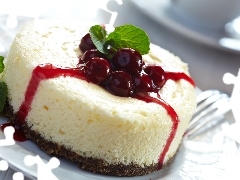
(210, 110)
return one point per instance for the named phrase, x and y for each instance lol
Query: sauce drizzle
(49, 71)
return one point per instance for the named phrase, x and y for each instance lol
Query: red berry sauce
(40, 73)
(174, 117)
(18, 134)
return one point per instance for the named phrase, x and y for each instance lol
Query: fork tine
(211, 107)
(202, 127)
(206, 94)
(214, 118)
(211, 98)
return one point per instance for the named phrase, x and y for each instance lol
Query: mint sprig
(3, 87)
(126, 36)
(1, 64)
(3, 95)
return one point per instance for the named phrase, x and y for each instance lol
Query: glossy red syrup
(40, 73)
(48, 71)
(174, 117)
(179, 75)
(18, 134)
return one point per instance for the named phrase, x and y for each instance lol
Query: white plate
(209, 156)
(160, 11)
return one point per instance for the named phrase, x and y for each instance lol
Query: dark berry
(127, 59)
(97, 70)
(143, 83)
(157, 74)
(86, 43)
(120, 84)
(87, 55)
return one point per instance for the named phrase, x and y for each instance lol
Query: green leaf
(129, 36)
(3, 95)
(98, 35)
(1, 64)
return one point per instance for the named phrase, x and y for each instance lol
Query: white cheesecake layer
(84, 117)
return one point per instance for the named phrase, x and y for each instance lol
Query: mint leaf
(98, 35)
(129, 36)
(1, 64)
(3, 95)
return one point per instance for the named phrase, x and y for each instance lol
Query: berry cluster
(124, 74)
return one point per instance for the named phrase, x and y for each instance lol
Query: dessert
(110, 117)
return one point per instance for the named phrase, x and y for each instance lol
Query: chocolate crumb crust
(94, 165)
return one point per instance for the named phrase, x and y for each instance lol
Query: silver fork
(211, 107)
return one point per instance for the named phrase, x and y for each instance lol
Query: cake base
(94, 165)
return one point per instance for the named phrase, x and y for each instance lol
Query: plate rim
(149, 8)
